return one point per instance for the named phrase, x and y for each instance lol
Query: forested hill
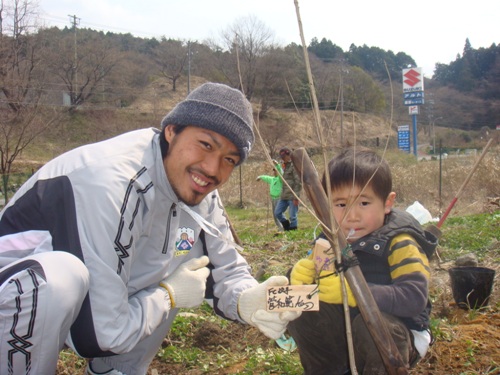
(76, 68)
(463, 94)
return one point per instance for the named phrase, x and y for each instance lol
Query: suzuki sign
(413, 80)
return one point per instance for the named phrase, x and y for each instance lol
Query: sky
(430, 31)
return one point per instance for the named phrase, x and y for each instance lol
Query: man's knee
(59, 278)
(67, 277)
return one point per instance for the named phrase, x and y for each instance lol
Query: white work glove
(252, 309)
(186, 286)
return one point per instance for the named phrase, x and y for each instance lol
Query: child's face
(359, 211)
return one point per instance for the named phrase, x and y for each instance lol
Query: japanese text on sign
(292, 298)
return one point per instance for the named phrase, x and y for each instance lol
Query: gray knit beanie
(219, 108)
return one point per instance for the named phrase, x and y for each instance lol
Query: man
(291, 190)
(88, 248)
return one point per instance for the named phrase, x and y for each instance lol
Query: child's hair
(359, 166)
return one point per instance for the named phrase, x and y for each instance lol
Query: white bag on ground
(419, 212)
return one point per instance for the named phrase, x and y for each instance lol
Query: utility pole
(413, 97)
(189, 67)
(75, 22)
(342, 101)
(341, 105)
(434, 135)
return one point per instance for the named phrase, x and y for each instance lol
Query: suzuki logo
(412, 77)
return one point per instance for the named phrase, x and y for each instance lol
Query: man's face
(359, 211)
(286, 157)
(198, 162)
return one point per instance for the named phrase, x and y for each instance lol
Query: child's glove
(252, 309)
(303, 272)
(330, 289)
(186, 286)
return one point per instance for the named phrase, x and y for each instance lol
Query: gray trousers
(322, 343)
(40, 297)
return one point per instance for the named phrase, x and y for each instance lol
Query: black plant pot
(471, 286)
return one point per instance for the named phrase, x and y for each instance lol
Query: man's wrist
(169, 294)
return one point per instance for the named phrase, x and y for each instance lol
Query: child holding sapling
(393, 253)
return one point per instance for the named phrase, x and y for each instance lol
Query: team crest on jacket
(184, 240)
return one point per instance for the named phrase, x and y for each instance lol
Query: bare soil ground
(468, 341)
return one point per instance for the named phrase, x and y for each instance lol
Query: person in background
(275, 187)
(393, 252)
(103, 245)
(290, 193)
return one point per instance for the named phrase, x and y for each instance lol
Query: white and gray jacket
(111, 205)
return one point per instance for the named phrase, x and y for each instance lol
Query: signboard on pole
(411, 102)
(413, 87)
(413, 80)
(413, 110)
(404, 138)
(413, 96)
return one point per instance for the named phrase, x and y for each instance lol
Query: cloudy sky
(430, 31)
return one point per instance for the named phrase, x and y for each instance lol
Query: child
(275, 186)
(289, 196)
(393, 252)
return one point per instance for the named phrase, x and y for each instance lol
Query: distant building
(66, 99)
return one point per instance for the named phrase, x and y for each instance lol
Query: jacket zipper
(172, 213)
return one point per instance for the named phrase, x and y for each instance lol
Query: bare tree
(172, 57)
(274, 133)
(23, 113)
(247, 40)
(277, 75)
(82, 63)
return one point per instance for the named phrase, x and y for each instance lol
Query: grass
(433, 186)
(262, 245)
(243, 353)
(477, 233)
(234, 353)
(471, 227)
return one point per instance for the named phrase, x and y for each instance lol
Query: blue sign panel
(404, 140)
(413, 98)
(417, 101)
(413, 95)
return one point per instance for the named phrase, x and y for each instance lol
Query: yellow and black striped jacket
(395, 262)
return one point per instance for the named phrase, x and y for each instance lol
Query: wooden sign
(323, 256)
(292, 298)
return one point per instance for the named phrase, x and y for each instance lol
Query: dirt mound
(160, 97)
(467, 340)
(210, 336)
(470, 346)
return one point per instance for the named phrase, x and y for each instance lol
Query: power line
(49, 17)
